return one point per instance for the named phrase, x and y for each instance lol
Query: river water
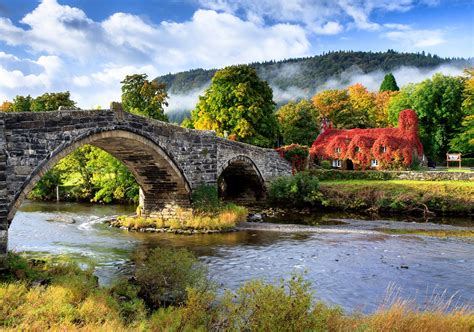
(352, 270)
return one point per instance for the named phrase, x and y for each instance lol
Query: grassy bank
(406, 196)
(221, 219)
(45, 296)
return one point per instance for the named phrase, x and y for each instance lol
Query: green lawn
(400, 195)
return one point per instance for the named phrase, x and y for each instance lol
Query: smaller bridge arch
(240, 180)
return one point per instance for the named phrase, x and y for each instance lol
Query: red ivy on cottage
(391, 147)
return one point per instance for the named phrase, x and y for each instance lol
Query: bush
(325, 164)
(298, 190)
(163, 275)
(296, 154)
(331, 175)
(205, 198)
(467, 162)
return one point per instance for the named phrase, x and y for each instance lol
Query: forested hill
(312, 72)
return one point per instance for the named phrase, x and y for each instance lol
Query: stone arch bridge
(168, 161)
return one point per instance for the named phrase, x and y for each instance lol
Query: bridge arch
(164, 188)
(240, 180)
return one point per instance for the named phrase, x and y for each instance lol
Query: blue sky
(87, 47)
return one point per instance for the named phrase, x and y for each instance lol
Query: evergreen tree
(389, 83)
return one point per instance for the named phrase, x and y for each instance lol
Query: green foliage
(238, 103)
(52, 101)
(298, 122)
(330, 175)
(389, 83)
(44, 103)
(467, 162)
(205, 198)
(437, 102)
(298, 190)
(45, 189)
(325, 164)
(88, 173)
(21, 104)
(163, 275)
(145, 98)
(258, 306)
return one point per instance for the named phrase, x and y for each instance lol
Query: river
(348, 269)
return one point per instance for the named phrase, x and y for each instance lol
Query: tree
(437, 102)
(143, 97)
(389, 83)
(6, 106)
(463, 142)
(333, 104)
(348, 108)
(362, 104)
(240, 104)
(298, 122)
(52, 101)
(379, 115)
(22, 104)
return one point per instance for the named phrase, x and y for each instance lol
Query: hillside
(302, 77)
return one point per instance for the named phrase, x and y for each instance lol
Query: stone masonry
(168, 161)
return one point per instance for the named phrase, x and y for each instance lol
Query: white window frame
(374, 163)
(336, 163)
(383, 148)
(337, 150)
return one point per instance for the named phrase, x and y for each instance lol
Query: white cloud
(95, 56)
(320, 17)
(416, 38)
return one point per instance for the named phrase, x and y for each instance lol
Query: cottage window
(336, 163)
(357, 149)
(383, 149)
(374, 163)
(337, 150)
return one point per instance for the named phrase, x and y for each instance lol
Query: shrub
(205, 198)
(296, 154)
(300, 189)
(163, 275)
(325, 164)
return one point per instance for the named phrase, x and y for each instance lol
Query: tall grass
(225, 218)
(71, 300)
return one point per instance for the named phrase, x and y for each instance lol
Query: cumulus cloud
(96, 55)
(417, 38)
(320, 17)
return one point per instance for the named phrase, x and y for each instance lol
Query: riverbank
(48, 295)
(409, 197)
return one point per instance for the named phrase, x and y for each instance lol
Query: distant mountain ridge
(314, 70)
(302, 77)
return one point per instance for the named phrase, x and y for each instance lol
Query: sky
(87, 47)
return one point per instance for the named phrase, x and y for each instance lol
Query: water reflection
(352, 270)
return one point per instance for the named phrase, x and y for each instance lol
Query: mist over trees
(311, 72)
